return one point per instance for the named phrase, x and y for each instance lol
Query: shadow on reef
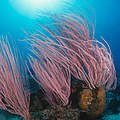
(84, 104)
(113, 100)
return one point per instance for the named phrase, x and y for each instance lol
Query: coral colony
(13, 98)
(66, 48)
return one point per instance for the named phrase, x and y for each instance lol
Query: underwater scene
(59, 60)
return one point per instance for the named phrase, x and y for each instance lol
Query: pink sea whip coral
(13, 97)
(90, 59)
(69, 42)
(51, 75)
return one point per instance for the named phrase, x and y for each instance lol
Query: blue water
(107, 22)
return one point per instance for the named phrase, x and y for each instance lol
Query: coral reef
(78, 107)
(93, 101)
(60, 113)
(71, 69)
(67, 49)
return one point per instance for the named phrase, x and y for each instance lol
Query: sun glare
(31, 7)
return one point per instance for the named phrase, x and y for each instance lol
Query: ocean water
(18, 17)
(107, 20)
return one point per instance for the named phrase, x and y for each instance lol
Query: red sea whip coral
(69, 43)
(13, 97)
